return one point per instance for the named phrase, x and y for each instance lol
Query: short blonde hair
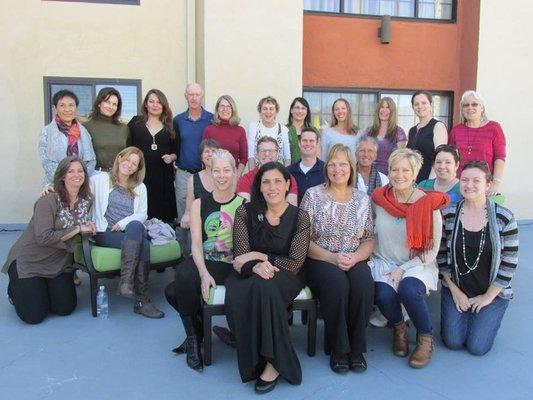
(234, 119)
(137, 177)
(414, 158)
(333, 151)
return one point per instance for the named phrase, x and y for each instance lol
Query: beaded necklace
(480, 251)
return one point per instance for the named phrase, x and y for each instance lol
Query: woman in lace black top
(270, 239)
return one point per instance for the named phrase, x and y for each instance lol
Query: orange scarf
(418, 216)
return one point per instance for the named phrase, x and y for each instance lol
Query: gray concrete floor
(129, 357)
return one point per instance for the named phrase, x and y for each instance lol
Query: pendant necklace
(154, 145)
(480, 250)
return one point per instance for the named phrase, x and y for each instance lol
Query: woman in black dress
(270, 242)
(153, 133)
(427, 135)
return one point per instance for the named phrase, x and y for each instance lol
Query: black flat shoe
(181, 349)
(262, 386)
(339, 364)
(358, 363)
(225, 335)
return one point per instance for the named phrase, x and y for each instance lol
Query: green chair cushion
(217, 296)
(107, 259)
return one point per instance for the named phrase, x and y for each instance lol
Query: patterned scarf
(418, 216)
(72, 133)
(374, 180)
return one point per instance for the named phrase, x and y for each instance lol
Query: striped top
(503, 233)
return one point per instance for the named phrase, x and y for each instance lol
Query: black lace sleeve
(299, 246)
(241, 239)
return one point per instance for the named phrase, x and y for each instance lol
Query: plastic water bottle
(102, 306)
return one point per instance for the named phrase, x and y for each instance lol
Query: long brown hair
(166, 115)
(136, 178)
(393, 120)
(59, 180)
(103, 95)
(350, 125)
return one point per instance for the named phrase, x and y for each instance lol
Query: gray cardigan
(53, 148)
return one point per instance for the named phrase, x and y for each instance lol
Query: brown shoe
(400, 340)
(129, 259)
(422, 352)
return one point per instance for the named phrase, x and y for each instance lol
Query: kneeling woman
(271, 238)
(408, 227)
(211, 224)
(479, 255)
(337, 272)
(40, 281)
(120, 209)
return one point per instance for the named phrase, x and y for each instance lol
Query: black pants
(184, 294)
(35, 297)
(346, 300)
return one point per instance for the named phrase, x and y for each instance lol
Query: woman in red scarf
(408, 226)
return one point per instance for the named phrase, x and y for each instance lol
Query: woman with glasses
(427, 135)
(226, 130)
(445, 164)
(479, 139)
(299, 118)
(477, 260)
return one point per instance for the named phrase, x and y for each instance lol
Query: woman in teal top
(445, 163)
(299, 118)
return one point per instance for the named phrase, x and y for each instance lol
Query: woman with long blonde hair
(342, 128)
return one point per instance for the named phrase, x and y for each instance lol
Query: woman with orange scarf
(408, 227)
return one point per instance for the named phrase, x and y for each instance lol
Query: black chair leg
(93, 287)
(207, 336)
(311, 331)
(304, 317)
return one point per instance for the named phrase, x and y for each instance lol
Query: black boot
(143, 305)
(129, 260)
(194, 356)
(182, 348)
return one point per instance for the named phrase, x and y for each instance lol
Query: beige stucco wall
(251, 49)
(48, 38)
(505, 81)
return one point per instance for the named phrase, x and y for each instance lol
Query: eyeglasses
(224, 107)
(473, 105)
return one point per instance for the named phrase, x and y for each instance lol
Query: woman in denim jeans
(477, 260)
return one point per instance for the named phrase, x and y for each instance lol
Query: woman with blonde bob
(119, 211)
(388, 134)
(226, 130)
(408, 228)
(342, 239)
(342, 129)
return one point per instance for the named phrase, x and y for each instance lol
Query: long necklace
(407, 200)
(480, 251)
(154, 145)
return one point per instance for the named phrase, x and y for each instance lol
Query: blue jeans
(474, 331)
(412, 294)
(134, 231)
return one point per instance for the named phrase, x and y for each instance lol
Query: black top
(285, 244)
(159, 178)
(476, 282)
(198, 188)
(422, 140)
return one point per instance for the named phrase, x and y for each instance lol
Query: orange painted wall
(345, 51)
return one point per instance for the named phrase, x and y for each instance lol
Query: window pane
(84, 93)
(439, 9)
(322, 5)
(129, 95)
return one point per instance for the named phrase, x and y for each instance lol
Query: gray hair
(479, 99)
(222, 154)
(369, 139)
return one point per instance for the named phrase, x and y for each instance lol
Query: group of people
(363, 217)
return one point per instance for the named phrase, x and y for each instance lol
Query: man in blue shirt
(189, 127)
(309, 171)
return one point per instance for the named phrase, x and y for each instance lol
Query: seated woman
(478, 258)
(201, 183)
(445, 164)
(40, 280)
(337, 272)
(212, 217)
(270, 238)
(408, 231)
(119, 212)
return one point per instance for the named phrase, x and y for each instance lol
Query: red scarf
(418, 216)
(72, 133)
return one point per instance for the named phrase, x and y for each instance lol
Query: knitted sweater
(108, 140)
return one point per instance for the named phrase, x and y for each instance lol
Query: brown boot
(143, 305)
(128, 263)
(400, 341)
(423, 351)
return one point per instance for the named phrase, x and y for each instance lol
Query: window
(363, 104)
(426, 9)
(131, 2)
(87, 88)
